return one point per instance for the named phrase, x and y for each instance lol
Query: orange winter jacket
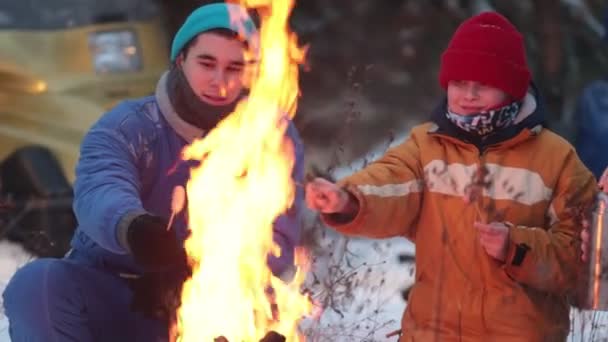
(533, 181)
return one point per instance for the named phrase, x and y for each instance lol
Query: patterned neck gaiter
(484, 123)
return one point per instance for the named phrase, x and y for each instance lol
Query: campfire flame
(242, 184)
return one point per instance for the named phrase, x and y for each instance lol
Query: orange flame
(242, 185)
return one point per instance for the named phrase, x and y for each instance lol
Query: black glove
(153, 246)
(157, 295)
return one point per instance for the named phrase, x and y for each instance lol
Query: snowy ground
(362, 293)
(12, 256)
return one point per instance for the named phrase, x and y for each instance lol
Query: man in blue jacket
(114, 285)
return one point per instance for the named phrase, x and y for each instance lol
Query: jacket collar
(187, 131)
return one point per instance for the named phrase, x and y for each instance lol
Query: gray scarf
(189, 107)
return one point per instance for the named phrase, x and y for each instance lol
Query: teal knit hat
(208, 17)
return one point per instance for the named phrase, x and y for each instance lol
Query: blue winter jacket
(591, 119)
(130, 163)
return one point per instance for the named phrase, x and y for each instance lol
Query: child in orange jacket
(490, 197)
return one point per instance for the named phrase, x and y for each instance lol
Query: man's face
(214, 67)
(471, 97)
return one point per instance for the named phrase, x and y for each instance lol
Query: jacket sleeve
(287, 227)
(548, 259)
(389, 192)
(107, 186)
(592, 112)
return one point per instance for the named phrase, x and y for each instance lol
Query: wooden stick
(394, 333)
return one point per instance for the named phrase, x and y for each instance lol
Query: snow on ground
(588, 326)
(12, 256)
(362, 298)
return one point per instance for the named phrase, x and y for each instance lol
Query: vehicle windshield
(61, 14)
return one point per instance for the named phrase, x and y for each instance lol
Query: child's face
(214, 68)
(471, 97)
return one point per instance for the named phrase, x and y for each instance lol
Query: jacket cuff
(123, 227)
(353, 209)
(343, 222)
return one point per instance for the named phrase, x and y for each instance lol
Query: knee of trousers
(28, 294)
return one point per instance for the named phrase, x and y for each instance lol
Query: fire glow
(597, 262)
(242, 184)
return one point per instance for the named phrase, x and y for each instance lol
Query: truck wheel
(40, 200)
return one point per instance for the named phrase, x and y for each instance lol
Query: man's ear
(179, 60)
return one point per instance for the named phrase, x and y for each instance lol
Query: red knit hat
(487, 48)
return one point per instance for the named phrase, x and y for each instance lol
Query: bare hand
(603, 182)
(325, 196)
(585, 240)
(494, 238)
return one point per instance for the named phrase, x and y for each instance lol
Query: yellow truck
(62, 64)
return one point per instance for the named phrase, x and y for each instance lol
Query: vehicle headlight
(115, 51)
